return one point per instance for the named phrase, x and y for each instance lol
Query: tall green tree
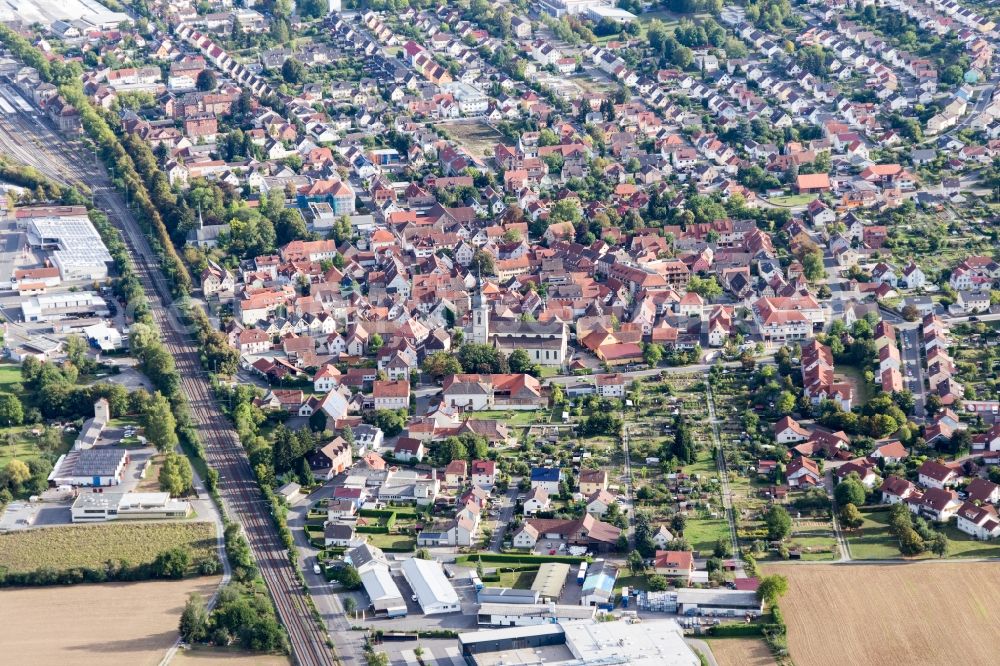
(159, 424)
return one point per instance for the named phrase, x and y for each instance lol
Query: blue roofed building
(546, 478)
(599, 585)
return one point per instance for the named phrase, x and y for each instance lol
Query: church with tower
(547, 343)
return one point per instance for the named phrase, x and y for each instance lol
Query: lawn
(393, 542)
(519, 580)
(478, 138)
(514, 417)
(704, 465)
(10, 374)
(61, 548)
(815, 547)
(872, 541)
(862, 390)
(151, 484)
(702, 533)
(793, 200)
(640, 582)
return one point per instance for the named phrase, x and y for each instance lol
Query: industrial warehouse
(103, 466)
(431, 587)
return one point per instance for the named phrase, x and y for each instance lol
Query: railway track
(37, 146)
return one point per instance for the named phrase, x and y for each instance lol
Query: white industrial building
(382, 590)
(615, 14)
(84, 13)
(559, 8)
(433, 591)
(53, 307)
(98, 507)
(649, 643)
(524, 615)
(75, 247)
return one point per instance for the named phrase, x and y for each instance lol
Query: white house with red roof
(934, 474)
(980, 522)
(674, 564)
(938, 504)
(483, 473)
(895, 490)
(788, 431)
(892, 452)
(803, 472)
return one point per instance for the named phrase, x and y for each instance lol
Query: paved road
(703, 648)
(913, 373)
(39, 146)
(506, 516)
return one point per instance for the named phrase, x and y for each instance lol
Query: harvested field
(885, 615)
(127, 624)
(741, 652)
(61, 548)
(477, 137)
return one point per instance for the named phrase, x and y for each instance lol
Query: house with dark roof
(895, 490)
(934, 474)
(546, 478)
(938, 504)
(331, 459)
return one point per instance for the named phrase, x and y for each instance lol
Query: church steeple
(480, 312)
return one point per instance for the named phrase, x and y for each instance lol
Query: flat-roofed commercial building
(99, 507)
(66, 232)
(649, 643)
(54, 307)
(434, 593)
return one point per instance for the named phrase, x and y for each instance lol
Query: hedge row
(737, 630)
(372, 529)
(519, 559)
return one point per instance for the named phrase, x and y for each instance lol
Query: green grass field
(394, 542)
(61, 548)
(702, 533)
(519, 580)
(704, 465)
(815, 546)
(872, 541)
(793, 200)
(9, 374)
(514, 417)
